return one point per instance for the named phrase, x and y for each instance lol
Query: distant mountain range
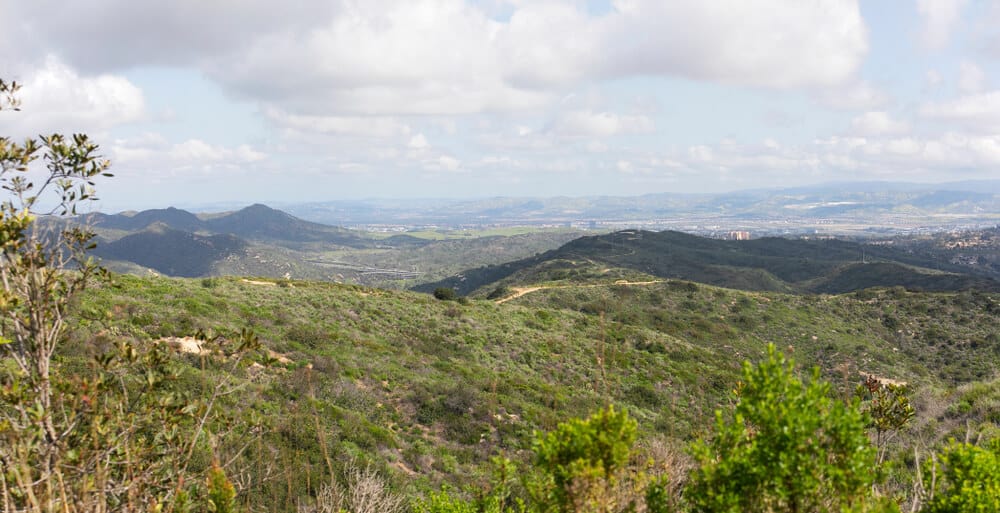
(258, 222)
(876, 204)
(767, 264)
(262, 241)
(256, 240)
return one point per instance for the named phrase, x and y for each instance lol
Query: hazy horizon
(833, 189)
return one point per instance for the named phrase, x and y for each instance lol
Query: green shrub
(788, 446)
(583, 461)
(499, 292)
(444, 293)
(967, 479)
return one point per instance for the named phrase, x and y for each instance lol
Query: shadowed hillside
(172, 252)
(256, 222)
(172, 217)
(772, 264)
(264, 223)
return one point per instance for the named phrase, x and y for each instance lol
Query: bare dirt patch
(256, 282)
(184, 344)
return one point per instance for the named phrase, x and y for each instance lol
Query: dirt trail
(256, 282)
(520, 291)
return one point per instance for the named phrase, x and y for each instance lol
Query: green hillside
(427, 391)
(769, 264)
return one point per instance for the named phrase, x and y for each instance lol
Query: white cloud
(877, 123)
(939, 18)
(392, 57)
(55, 98)
(449, 163)
(550, 43)
(153, 152)
(360, 126)
(948, 153)
(980, 112)
(378, 57)
(418, 142)
(102, 35)
(774, 43)
(971, 78)
(701, 153)
(586, 123)
(953, 154)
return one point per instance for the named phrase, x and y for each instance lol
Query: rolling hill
(261, 241)
(768, 264)
(429, 391)
(255, 222)
(172, 252)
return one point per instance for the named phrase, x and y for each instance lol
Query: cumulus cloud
(948, 152)
(55, 98)
(979, 112)
(939, 17)
(155, 153)
(774, 43)
(376, 57)
(101, 35)
(385, 57)
(953, 154)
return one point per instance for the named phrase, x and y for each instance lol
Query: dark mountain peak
(133, 221)
(261, 208)
(255, 218)
(260, 221)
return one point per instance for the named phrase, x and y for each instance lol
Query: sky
(216, 101)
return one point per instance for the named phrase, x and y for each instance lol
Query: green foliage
(788, 446)
(498, 293)
(221, 494)
(965, 480)
(444, 293)
(402, 382)
(889, 409)
(115, 430)
(444, 502)
(583, 463)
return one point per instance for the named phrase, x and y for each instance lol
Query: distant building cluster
(738, 235)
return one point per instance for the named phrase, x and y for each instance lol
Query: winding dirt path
(520, 291)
